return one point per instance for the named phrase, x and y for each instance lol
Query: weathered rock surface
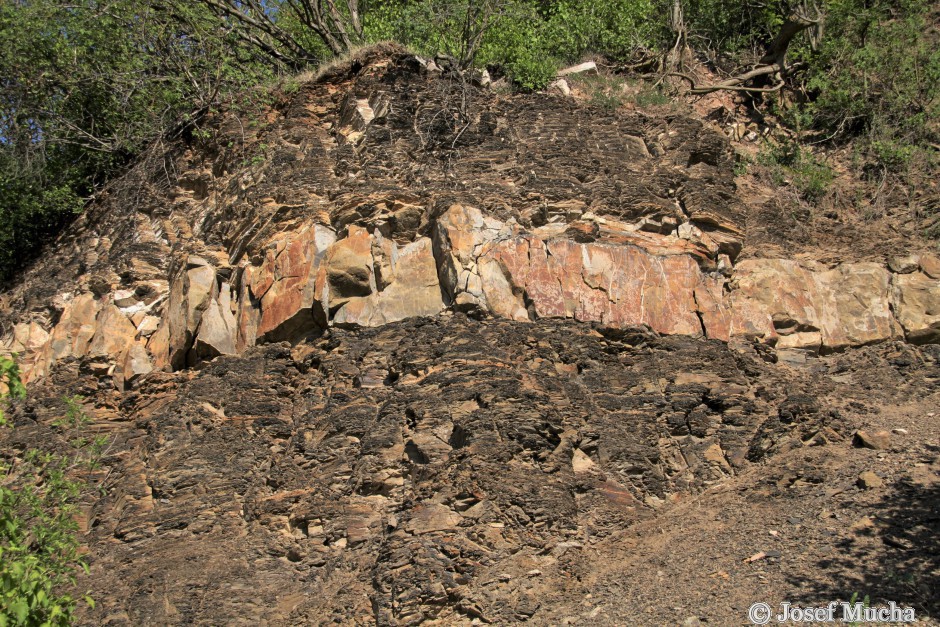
(533, 230)
(375, 358)
(289, 250)
(917, 304)
(388, 475)
(812, 308)
(283, 285)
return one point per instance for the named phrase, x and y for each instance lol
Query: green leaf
(20, 610)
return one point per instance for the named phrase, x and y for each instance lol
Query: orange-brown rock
(26, 337)
(284, 285)
(113, 334)
(917, 306)
(70, 337)
(623, 279)
(347, 270)
(217, 328)
(409, 287)
(811, 307)
(190, 294)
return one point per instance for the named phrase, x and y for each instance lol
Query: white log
(587, 66)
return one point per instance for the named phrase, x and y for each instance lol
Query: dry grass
(359, 56)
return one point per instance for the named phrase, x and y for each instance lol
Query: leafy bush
(789, 163)
(614, 28)
(85, 87)
(878, 74)
(39, 549)
(10, 384)
(527, 39)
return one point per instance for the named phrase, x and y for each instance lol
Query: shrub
(790, 163)
(39, 549)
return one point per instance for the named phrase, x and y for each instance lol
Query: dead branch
(728, 85)
(772, 63)
(253, 23)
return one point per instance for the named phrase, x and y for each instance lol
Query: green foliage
(525, 38)
(39, 548)
(877, 75)
(741, 164)
(649, 96)
(790, 164)
(865, 601)
(733, 27)
(10, 384)
(616, 28)
(75, 415)
(86, 85)
(874, 76)
(517, 44)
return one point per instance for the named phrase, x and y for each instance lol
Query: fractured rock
(347, 270)
(411, 288)
(136, 363)
(813, 308)
(190, 294)
(876, 440)
(217, 328)
(491, 265)
(930, 265)
(113, 335)
(285, 284)
(917, 306)
(869, 481)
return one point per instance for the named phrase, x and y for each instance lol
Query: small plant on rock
(39, 548)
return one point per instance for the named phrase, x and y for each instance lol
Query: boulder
(459, 239)
(27, 337)
(113, 334)
(812, 307)
(217, 328)
(191, 291)
(930, 265)
(125, 298)
(616, 285)
(136, 363)
(587, 66)
(347, 270)
(916, 299)
(248, 312)
(284, 286)
(70, 337)
(616, 276)
(903, 265)
(148, 325)
(411, 288)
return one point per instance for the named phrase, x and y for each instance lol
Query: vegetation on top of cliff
(87, 85)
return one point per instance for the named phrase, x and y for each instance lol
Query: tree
(84, 86)
(773, 62)
(281, 28)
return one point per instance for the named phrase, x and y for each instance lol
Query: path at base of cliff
(399, 350)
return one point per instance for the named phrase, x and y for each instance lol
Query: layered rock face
(524, 208)
(434, 469)
(398, 351)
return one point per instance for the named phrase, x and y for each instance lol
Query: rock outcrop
(402, 351)
(622, 221)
